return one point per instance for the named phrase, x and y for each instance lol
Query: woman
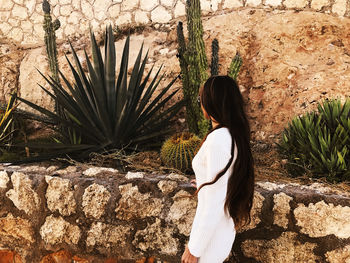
(224, 172)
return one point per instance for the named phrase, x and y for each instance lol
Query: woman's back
(213, 230)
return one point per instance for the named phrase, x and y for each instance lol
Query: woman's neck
(214, 124)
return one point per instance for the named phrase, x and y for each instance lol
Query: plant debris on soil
(268, 165)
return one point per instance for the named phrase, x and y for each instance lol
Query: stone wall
(98, 213)
(21, 20)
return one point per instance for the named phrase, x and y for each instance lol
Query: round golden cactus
(178, 151)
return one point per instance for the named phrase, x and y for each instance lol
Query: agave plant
(319, 142)
(6, 122)
(104, 110)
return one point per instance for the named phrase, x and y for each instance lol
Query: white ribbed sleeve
(210, 216)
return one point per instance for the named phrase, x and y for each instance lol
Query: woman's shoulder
(221, 135)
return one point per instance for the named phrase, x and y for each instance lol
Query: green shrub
(107, 110)
(318, 143)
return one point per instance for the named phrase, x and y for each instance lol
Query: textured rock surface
(281, 209)
(178, 177)
(132, 175)
(106, 237)
(182, 211)
(255, 212)
(29, 78)
(319, 4)
(4, 179)
(56, 231)
(22, 195)
(95, 199)
(133, 204)
(60, 195)
(153, 237)
(286, 248)
(16, 230)
(321, 219)
(339, 255)
(10, 60)
(167, 186)
(93, 171)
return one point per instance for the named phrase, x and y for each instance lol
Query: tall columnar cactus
(214, 66)
(194, 65)
(50, 42)
(235, 66)
(178, 151)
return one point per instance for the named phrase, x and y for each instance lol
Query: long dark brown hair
(223, 101)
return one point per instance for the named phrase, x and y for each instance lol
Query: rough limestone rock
(154, 236)
(160, 15)
(270, 186)
(148, 5)
(29, 78)
(32, 169)
(60, 195)
(167, 186)
(106, 237)
(96, 170)
(177, 177)
(134, 175)
(295, 3)
(182, 211)
(273, 2)
(253, 2)
(286, 248)
(15, 230)
(68, 170)
(10, 59)
(319, 4)
(56, 231)
(255, 212)
(4, 179)
(22, 195)
(95, 199)
(321, 219)
(133, 204)
(281, 209)
(341, 255)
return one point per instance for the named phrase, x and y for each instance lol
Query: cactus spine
(194, 65)
(178, 151)
(214, 66)
(50, 42)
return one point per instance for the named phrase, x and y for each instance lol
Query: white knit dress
(213, 230)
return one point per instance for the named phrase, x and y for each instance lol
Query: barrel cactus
(178, 151)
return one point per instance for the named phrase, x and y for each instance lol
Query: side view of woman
(224, 173)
